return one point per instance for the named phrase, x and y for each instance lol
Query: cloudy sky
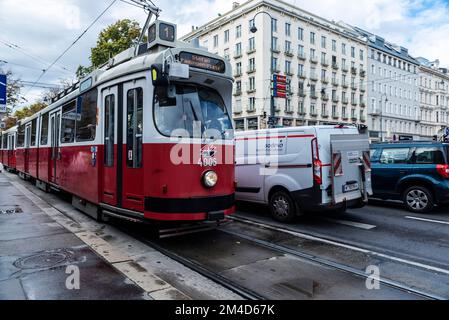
(42, 29)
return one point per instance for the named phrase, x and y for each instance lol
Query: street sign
(279, 86)
(3, 93)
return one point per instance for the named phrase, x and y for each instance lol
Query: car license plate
(350, 187)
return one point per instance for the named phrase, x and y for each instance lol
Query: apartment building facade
(434, 98)
(325, 64)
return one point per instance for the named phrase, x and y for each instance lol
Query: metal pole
(381, 122)
(271, 68)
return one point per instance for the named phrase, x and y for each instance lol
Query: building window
(312, 38)
(343, 48)
(215, 41)
(362, 54)
(252, 83)
(352, 52)
(334, 45)
(274, 65)
(238, 31)
(238, 49)
(251, 104)
(226, 36)
(252, 44)
(323, 42)
(252, 64)
(288, 68)
(288, 46)
(251, 24)
(287, 29)
(300, 34)
(274, 25)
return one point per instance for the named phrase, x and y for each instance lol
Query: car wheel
(418, 199)
(282, 207)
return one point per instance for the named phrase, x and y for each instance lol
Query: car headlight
(210, 179)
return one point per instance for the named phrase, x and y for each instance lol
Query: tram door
(110, 152)
(55, 124)
(132, 145)
(27, 147)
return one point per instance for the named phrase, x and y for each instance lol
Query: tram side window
(44, 129)
(68, 122)
(134, 128)
(33, 132)
(20, 136)
(5, 142)
(86, 121)
(109, 130)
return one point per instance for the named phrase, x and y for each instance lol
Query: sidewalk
(39, 257)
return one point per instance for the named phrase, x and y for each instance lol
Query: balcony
(335, 115)
(344, 116)
(344, 68)
(354, 118)
(353, 70)
(313, 77)
(251, 50)
(237, 92)
(335, 99)
(354, 102)
(325, 62)
(313, 60)
(251, 90)
(251, 69)
(301, 94)
(251, 109)
(275, 49)
(237, 54)
(324, 114)
(344, 100)
(335, 65)
(353, 86)
(288, 110)
(325, 97)
(375, 112)
(289, 53)
(289, 72)
(275, 69)
(334, 82)
(362, 89)
(362, 104)
(362, 118)
(313, 113)
(325, 80)
(301, 112)
(237, 74)
(344, 84)
(313, 96)
(362, 73)
(302, 56)
(302, 75)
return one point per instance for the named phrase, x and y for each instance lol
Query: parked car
(415, 172)
(300, 169)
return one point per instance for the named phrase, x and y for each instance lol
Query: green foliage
(82, 71)
(13, 89)
(113, 40)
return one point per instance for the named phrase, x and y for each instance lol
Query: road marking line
(351, 223)
(427, 220)
(342, 245)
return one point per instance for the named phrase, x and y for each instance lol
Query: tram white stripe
(427, 220)
(342, 245)
(351, 223)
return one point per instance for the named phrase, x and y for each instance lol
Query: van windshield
(195, 109)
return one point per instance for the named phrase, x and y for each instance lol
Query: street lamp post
(381, 116)
(254, 30)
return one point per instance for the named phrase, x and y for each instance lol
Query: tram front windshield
(194, 109)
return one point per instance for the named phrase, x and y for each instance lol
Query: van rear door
(351, 168)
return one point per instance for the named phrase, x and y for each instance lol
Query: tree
(29, 111)
(83, 71)
(115, 39)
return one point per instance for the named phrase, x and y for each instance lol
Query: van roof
(400, 144)
(292, 129)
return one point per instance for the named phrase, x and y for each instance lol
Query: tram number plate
(350, 187)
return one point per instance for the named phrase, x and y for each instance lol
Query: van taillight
(443, 170)
(317, 164)
(317, 171)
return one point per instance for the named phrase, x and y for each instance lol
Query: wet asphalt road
(381, 226)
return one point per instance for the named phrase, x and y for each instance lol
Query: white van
(298, 169)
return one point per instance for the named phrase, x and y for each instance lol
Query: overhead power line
(74, 42)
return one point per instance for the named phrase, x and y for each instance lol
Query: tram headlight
(210, 179)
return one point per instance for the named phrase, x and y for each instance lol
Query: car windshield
(192, 108)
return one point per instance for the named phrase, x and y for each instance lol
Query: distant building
(325, 62)
(434, 97)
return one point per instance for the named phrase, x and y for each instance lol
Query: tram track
(321, 261)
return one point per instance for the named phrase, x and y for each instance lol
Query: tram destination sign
(202, 62)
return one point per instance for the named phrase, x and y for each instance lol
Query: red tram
(147, 136)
